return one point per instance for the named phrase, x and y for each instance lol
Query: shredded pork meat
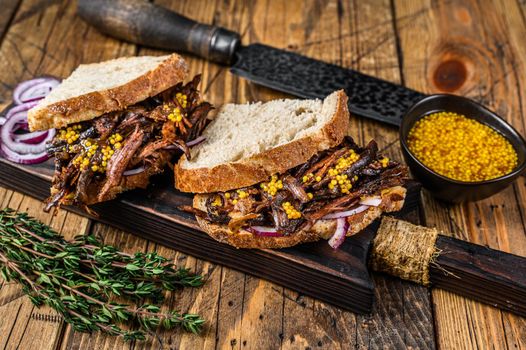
(97, 159)
(332, 181)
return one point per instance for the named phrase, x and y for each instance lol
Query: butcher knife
(144, 23)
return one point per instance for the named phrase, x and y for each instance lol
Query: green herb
(78, 279)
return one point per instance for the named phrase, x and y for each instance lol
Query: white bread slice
(247, 143)
(98, 88)
(392, 200)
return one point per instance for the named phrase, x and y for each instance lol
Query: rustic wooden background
(472, 48)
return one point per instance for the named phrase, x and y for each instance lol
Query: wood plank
(463, 31)
(21, 53)
(9, 8)
(471, 266)
(328, 34)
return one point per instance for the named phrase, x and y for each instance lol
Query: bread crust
(260, 167)
(91, 105)
(323, 229)
(245, 239)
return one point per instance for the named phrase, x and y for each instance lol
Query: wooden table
(472, 48)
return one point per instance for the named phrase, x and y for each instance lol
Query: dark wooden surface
(481, 273)
(404, 41)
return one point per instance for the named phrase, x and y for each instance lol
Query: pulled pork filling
(331, 182)
(97, 159)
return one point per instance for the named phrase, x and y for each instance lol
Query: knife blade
(145, 23)
(309, 78)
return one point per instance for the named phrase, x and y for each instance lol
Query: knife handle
(487, 275)
(145, 23)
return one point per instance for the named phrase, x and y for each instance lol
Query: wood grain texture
(482, 37)
(463, 268)
(397, 40)
(9, 8)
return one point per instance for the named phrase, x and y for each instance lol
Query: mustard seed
(461, 148)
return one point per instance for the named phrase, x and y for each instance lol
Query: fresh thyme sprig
(79, 278)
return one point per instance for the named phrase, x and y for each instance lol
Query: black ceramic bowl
(445, 188)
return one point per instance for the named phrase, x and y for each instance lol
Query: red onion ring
(344, 214)
(339, 234)
(20, 108)
(196, 141)
(7, 137)
(135, 171)
(34, 89)
(192, 143)
(29, 158)
(23, 126)
(264, 231)
(31, 138)
(26, 148)
(372, 201)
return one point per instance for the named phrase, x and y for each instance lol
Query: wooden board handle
(487, 275)
(144, 23)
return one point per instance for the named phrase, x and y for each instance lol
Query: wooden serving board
(339, 277)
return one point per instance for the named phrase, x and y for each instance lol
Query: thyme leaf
(81, 279)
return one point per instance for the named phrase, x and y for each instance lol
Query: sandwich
(118, 123)
(287, 173)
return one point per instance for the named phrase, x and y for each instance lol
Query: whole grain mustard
(461, 148)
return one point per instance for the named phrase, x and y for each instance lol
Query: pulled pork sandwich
(289, 176)
(337, 193)
(121, 121)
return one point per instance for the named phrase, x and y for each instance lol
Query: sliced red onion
(196, 141)
(192, 143)
(29, 158)
(264, 231)
(135, 171)
(339, 235)
(23, 126)
(373, 201)
(7, 137)
(24, 107)
(344, 214)
(26, 148)
(31, 138)
(34, 89)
